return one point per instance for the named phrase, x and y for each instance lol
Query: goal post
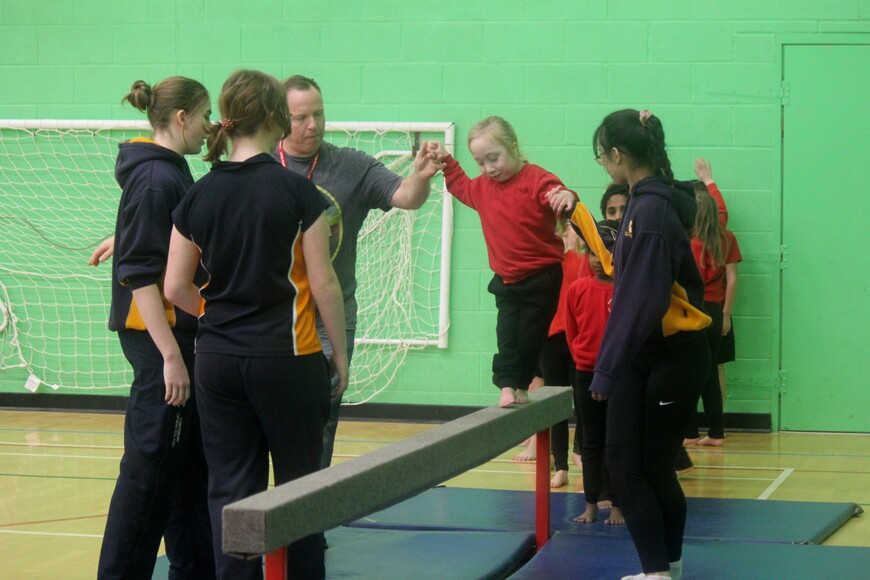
(60, 199)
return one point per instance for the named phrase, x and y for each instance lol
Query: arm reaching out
(414, 190)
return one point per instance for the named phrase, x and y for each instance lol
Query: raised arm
(704, 171)
(327, 296)
(414, 190)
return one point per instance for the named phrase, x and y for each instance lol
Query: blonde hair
(500, 130)
(708, 230)
(249, 101)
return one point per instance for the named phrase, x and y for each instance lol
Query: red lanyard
(310, 167)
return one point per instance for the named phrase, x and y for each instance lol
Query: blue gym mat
(453, 508)
(421, 555)
(589, 557)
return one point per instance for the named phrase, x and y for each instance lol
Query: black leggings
(647, 418)
(557, 369)
(711, 394)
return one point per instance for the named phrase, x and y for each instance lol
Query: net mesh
(59, 201)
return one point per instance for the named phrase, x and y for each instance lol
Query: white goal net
(59, 199)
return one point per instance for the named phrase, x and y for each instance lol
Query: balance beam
(268, 521)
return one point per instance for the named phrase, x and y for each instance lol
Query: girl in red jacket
(519, 227)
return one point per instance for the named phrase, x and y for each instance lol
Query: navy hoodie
(154, 180)
(658, 296)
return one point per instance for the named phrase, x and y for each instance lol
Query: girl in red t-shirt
(717, 255)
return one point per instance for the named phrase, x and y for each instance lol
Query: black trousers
(251, 408)
(525, 310)
(162, 486)
(593, 419)
(711, 393)
(647, 418)
(557, 370)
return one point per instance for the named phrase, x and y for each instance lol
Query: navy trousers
(162, 487)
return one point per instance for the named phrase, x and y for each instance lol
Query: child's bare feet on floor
(616, 518)
(575, 457)
(589, 516)
(530, 454)
(710, 442)
(560, 479)
(508, 397)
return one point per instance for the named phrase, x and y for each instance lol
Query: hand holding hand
(427, 162)
(561, 200)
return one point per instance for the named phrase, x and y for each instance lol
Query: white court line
(51, 534)
(116, 458)
(777, 482)
(10, 444)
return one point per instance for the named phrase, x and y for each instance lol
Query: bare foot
(575, 458)
(530, 454)
(710, 442)
(526, 442)
(690, 441)
(589, 516)
(616, 518)
(508, 397)
(605, 504)
(560, 479)
(521, 397)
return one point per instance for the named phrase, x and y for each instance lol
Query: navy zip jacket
(154, 180)
(658, 296)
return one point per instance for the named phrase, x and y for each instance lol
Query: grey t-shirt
(354, 183)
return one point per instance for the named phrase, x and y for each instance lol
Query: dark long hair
(644, 141)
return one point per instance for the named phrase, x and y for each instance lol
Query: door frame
(781, 42)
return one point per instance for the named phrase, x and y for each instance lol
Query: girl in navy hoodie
(161, 489)
(654, 356)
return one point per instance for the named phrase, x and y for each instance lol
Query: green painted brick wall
(708, 68)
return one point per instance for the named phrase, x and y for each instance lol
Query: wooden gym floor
(57, 473)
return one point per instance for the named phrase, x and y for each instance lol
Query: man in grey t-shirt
(354, 184)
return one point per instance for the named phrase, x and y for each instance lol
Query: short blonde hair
(500, 130)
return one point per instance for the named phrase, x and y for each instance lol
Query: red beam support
(542, 489)
(276, 564)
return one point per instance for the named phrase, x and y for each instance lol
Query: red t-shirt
(518, 224)
(587, 309)
(712, 275)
